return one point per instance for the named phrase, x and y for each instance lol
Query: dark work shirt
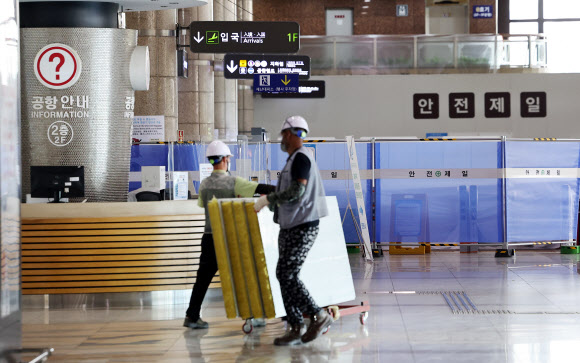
(301, 170)
(300, 167)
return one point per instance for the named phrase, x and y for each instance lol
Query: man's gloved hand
(261, 203)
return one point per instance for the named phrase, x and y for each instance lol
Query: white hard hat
(295, 122)
(217, 148)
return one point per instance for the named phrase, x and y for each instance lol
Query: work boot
(318, 323)
(197, 324)
(292, 335)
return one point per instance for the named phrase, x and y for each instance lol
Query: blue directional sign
(402, 10)
(286, 83)
(430, 135)
(483, 11)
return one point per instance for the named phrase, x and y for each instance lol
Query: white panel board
(326, 271)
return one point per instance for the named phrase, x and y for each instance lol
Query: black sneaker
(318, 324)
(198, 324)
(292, 335)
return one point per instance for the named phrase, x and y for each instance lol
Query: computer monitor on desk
(57, 182)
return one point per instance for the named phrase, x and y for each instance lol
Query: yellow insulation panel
(248, 260)
(260, 261)
(236, 259)
(222, 258)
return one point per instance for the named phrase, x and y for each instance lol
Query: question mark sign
(60, 62)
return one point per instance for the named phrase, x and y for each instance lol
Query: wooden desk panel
(111, 254)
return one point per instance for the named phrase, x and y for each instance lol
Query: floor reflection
(541, 289)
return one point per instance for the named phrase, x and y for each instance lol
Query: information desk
(79, 248)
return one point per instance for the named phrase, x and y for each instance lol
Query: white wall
(371, 105)
(449, 19)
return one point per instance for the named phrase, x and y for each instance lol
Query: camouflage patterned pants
(293, 245)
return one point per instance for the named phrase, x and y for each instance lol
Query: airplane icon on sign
(212, 37)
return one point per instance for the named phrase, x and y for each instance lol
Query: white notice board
(149, 128)
(205, 171)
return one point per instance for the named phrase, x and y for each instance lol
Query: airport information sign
(245, 66)
(244, 37)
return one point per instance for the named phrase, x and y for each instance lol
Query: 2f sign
(292, 37)
(60, 133)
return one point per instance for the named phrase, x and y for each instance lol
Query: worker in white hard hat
(298, 204)
(219, 184)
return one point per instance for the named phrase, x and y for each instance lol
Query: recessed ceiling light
(365, 7)
(364, 13)
(367, 1)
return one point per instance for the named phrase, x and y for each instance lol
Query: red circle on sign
(51, 83)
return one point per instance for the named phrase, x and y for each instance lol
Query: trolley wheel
(247, 327)
(334, 311)
(363, 317)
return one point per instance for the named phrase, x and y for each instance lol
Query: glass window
(559, 9)
(563, 56)
(524, 27)
(524, 9)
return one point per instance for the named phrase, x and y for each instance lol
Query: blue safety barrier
(185, 158)
(333, 157)
(542, 190)
(440, 192)
(430, 192)
(147, 155)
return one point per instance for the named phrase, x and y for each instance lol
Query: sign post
(244, 37)
(360, 202)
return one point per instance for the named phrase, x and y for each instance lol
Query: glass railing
(529, 51)
(467, 51)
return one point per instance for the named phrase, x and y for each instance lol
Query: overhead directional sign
(306, 89)
(245, 66)
(275, 83)
(244, 37)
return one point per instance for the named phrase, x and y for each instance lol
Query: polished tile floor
(528, 310)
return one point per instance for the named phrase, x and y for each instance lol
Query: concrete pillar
(226, 90)
(196, 93)
(245, 93)
(156, 31)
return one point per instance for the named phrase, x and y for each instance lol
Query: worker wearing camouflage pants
(298, 204)
(293, 247)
